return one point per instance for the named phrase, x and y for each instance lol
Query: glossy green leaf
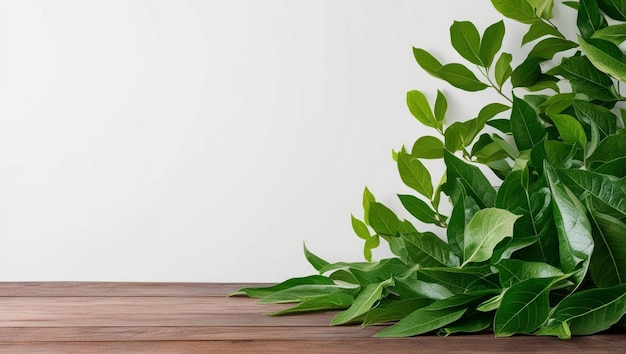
(609, 190)
(490, 111)
(513, 271)
(612, 148)
(587, 312)
(605, 56)
(573, 227)
(506, 249)
(427, 147)
(527, 73)
(589, 19)
(597, 115)
(260, 292)
(570, 129)
(615, 34)
(524, 307)
(547, 48)
(544, 82)
(336, 301)
(418, 208)
(419, 288)
(519, 10)
(462, 212)
(394, 311)
(382, 219)
(304, 292)
(461, 77)
(472, 179)
(616, 9)
(363, 303)
(503, 68)
(491, 43)
(420, 108)
(461, 280)
(469, 324)
(608, 262)
(540, 29)
(421, 321)
(426, 249)
(586, 79)
(466, 40)
(528, 131)
(486, 229)
(441, 106)
(314, 260)
(427, 62)
(415, 175)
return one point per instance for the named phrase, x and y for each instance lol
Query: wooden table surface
(91, 317)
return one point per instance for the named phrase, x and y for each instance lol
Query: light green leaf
(383, 220)
(468, 324)
(415, 175)
(543, 8)
(441, 106)
(359, 227)
(259, 292)
(427, 147)
(461, 77)
(427, 62)
(540, 29)
(304, 292)
(486, 229)
(608, 262)
(589, 19)
(370, 244)
(422, 321)
(519, 10)
(588, 312)
(368, 198)
(491, 43)
(524, 307)
(363, 303)
(605, 56)
(418, 208)
(615, 34)
(426, 249)
(528, 131)
(503, 68)
(336, 301)
(466, 40)
(314, 260)
(462, 134)
(420, 109)
(570, 129)
(490, 111)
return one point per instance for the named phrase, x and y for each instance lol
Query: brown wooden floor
(198, 317)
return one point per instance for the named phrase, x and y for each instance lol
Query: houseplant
(540, 252)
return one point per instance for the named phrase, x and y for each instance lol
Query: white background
(207, 140)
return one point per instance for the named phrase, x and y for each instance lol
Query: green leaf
(608, 190)
(426, 249)
(608, 262)
(547, 48)
(419, 209)
(528, 131)
(573, 227)
(612, 148)
(543, 8)
(503, 125)
(570, 129)
(382, 219)
(421, 321)
(314, 260)
(486, 229)
(615, 34)
(460, 280)
(461, 77)
(300, 293)
(427, 147)
(540, 29)
(370, 244)
(503, 68)
(336, 301)
(519, 10)
(259, 292)
(472, 179)
(605, 56)
(469, 324)
(376, 272)
(588, 312)
(394, 311)
(524, 307)
(527, 73)
(420, 109)
(462, 212)
(419, 288)
(363, 303)
(359, 227)
(491, 43)
(427, 62)
(513, 271)
(490, 111)
(585, 78)
(462, 134)
(368, 198)
(415, 175)
(589, 19)
(441, 106)
(466, 40)
(616, 9)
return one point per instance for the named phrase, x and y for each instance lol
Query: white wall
(206, 140)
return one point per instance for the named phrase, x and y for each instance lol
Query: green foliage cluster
(544, 252)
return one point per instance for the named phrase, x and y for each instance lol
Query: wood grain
(67, 317)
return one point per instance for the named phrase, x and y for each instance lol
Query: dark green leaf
(461, 77)
(612, 148)
(419, 209)
(615, 34)
(605, 56)
(383, 220)
(304, 292)
(363, 303)
(547, 48)
(376, 272)
(528, 131)
(519, 10)
(314, 260)
(427, 147)
(544, 82)
(616, 9)
(585, 78)
(420, 109)
(589, 19)
(468, 299)
(472, 179)
(608, 189)
(540, 29)
(513, 271)
(524, 307)
(419, 288)
(466, 40)
(427, 62)
(265, 291)
(587, 312)
(570, 129)
(462, 212)
(460, 280)
(503, 125)
(608, 262)
(426, 249)
(506, 249)
(336, 301)
(395, 311)
(503, 68)
(415, 175)
(491, 43)
(527, 73)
